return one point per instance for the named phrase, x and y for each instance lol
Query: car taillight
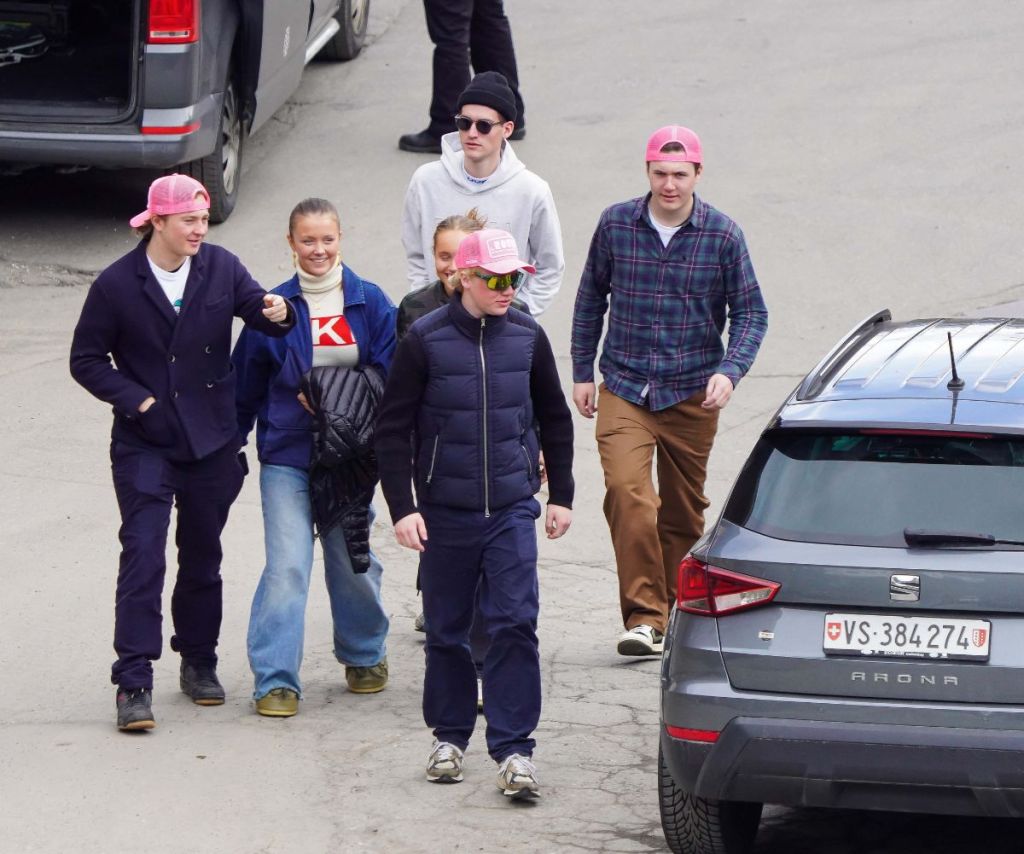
(708, 736)
(713, 591)
(173, 21)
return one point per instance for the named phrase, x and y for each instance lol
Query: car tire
(221, 170)
(694, 825)
(346, 44)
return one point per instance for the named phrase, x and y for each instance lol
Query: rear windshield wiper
(916, 537)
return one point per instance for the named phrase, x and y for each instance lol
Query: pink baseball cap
(674, 133)
(492, 249)
(172, 194)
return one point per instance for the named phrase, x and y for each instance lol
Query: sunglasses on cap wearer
(483, 127)
(503, 281)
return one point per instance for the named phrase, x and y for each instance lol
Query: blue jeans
(277, 621)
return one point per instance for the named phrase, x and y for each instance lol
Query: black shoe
(135, 709)
(518, 132)
(200, 682)
(423, 142)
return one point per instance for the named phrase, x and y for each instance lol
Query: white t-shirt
(172, 282)
(665, 232)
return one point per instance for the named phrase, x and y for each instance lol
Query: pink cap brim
(507, 265)
(140, 219)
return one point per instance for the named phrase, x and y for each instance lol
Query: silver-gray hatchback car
(850, 632)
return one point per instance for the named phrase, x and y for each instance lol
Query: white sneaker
(517, 777)
(445, 763)
(641, 640)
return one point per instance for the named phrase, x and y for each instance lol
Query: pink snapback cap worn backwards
(172, 194)
(674, 133)
(493, 250)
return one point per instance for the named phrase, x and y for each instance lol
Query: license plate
(907, 637)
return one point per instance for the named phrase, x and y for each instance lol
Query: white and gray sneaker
(445, 763)
(517, 777)
(641, 640)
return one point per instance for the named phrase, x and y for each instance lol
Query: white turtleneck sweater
(334, 345)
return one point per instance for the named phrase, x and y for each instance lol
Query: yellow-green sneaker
(367, 680)
(279, 703)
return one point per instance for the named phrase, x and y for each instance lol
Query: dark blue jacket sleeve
(555, 420)
(253, 368)
(95, 338)
(396, 420)
(380, 320)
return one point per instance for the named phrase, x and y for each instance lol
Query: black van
(168, 84)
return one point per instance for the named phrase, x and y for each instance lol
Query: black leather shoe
(135, 709)
(200, 682)
(423, 142)
(518, 132)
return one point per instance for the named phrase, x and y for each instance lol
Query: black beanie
(490, 89)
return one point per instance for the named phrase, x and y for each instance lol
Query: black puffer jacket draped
(343, 468)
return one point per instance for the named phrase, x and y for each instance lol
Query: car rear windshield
(866, 487)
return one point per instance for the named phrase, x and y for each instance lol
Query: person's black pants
(146, 485)
(464, 33)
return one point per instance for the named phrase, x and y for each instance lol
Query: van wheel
(695, 825)
(221, 170)
(353, 16)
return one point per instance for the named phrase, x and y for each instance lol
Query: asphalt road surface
(871, 152)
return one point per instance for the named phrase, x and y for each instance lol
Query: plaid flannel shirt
(668, 305)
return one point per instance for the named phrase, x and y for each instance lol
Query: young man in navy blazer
(153, 341)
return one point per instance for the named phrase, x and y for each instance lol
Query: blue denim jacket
(268, 370)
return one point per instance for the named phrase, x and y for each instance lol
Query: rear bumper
(856, 766)
(117, 146)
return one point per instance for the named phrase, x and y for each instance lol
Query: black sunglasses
(483, 127)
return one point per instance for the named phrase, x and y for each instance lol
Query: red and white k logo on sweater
(332, 332)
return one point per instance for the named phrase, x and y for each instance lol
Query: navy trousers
(467, 32)
(465, 550)
(146, 485)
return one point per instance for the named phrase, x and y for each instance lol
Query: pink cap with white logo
(491, 249)
(172, 194)
(674, 133)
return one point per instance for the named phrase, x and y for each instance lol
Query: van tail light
(173, 21)
(713, 592)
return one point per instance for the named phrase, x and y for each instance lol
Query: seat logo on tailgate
(905, 588)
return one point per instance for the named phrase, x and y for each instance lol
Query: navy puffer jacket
(458, 415)
(465, 458)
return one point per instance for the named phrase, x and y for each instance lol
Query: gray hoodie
(513, 198)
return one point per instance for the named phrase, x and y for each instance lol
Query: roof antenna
(955, 384)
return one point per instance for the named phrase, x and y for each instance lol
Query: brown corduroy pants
(653, 530)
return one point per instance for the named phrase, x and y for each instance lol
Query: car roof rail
(815, 381)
